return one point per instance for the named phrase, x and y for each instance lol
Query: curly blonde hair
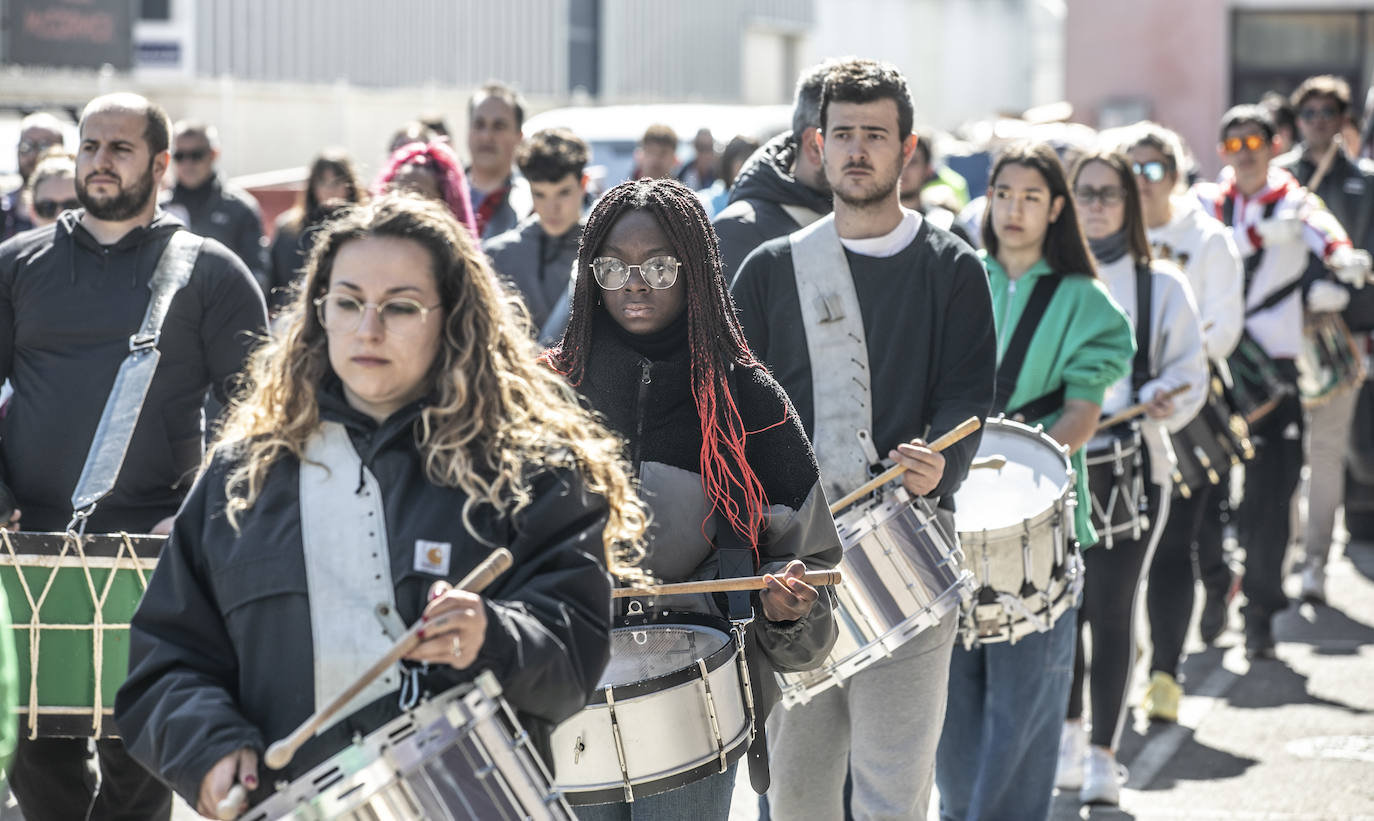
(497, 415)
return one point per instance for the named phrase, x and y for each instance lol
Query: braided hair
(714, 336)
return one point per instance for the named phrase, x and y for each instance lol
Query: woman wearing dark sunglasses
(1169, 357)
(52, 187)
(1181, 232)
(721, 457)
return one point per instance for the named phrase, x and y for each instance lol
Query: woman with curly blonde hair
(395, 432)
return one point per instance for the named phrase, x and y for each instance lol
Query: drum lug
(619, 745)
(708, 698)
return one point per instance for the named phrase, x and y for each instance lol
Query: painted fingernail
(250, 781)
(420, 633)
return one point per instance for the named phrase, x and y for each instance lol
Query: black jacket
(221, 652)
(650, 403)
(68, 306)
(226, 213)
(755, 213)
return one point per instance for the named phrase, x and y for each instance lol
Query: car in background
(613, 131)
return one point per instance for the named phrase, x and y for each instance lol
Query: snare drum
(1116, 480)
(1330, 362)
(674, 707)
(1209, 446)
(1016, 523)
(461, 756)
(902, 575)
(1257, 386)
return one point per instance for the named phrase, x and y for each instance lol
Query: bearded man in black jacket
(71, 296)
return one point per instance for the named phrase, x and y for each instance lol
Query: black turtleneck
(1110, 248)
(655, 346)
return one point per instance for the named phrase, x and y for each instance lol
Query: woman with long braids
(722, 460)
(1169, 357)
(395, 431)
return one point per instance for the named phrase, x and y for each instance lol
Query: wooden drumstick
(1137, 409)
(963, 429)
(280, 753)
(815, 578)
(228, 808)
(994, 462)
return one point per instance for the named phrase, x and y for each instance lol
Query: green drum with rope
(70, 604)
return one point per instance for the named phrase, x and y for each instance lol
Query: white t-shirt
(891, 243)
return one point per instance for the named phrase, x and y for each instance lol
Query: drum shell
(66, 658)
(1116, 478)
(1028, 563)
(1210, 445)
(665, 726)
(461, 756)
(1330, 362)
(902, 575)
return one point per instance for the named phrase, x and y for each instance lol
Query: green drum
(70, 605)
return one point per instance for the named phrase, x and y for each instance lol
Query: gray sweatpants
(882, 727)
(1328, 439)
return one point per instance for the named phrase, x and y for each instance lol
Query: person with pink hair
(429, 170)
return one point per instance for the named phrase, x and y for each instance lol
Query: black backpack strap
(1144, 306)
(1015, 356)
(735, 558)
(1041, 406)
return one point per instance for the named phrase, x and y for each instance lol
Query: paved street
(1289, 740)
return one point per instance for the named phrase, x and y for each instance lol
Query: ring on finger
(456, 647)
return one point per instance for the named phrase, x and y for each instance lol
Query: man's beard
(122, 206)
(881, 190)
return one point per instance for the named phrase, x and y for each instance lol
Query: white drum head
(653, 650)
(1035, 476)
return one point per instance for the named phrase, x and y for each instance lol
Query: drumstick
(1324, 165)
(228, 808)
(280, 753)
(815, 578)
(963, 429)
(1137, 409)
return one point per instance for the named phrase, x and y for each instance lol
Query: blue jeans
(1000, 744)
(704, 800)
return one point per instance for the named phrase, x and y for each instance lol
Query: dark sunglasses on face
(194, 155)
(613, 274)
(1108, 195)
(1153, 171)
(1324, 113)
(47, 209)
(1233, 145)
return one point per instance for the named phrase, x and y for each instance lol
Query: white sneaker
(1314, 583)
(1073, 747)
(1102, 778)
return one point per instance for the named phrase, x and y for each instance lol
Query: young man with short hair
(906, 354)
(537, 256)
(656, 155)
(500, 197)
(1323, 107)
(209, 204)
(1276, 225)
(71, 296)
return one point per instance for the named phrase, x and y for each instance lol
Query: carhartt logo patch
(432, 557)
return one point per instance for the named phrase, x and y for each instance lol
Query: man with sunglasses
(208, 204)
(71, 297)
(1347, 189)
(1276, 226)
(37, 133)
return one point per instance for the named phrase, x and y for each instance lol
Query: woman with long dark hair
(1169, 356)
(722, 460)
(331, 184)
(1007, 701)
(393, 433)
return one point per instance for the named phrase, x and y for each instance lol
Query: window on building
(155, 10)
(1277, 50)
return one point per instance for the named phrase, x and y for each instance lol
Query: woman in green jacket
(1007, 702)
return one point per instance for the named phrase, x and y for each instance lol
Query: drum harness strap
(1014, 357)
(125, 402)
(1252, 262)
(35, 627)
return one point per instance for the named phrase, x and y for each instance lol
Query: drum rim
(1037, 434)
(682, 675)
(644, 789)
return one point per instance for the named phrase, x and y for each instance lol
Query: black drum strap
(1144, 306)
(1252, 262)
(1015, 356)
